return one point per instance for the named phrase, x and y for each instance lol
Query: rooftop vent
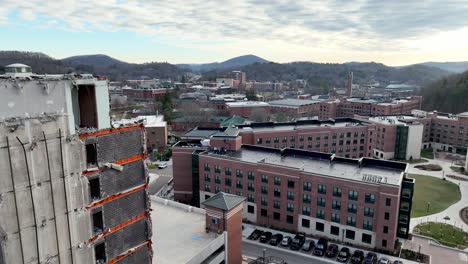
(18, 70)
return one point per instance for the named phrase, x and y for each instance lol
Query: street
(164, 176)
(253, 250)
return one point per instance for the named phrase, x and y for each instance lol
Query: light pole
(264, 253)
(428, 206)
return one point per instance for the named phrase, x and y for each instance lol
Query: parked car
(384, 261)
(397, 262)
(286, 241)
(297, 242)
(371, 258)
(321, 247)
(308, 245)
(162, 165)
(332, 251)
(265, 237)
(276, 239)
(344, 255)
(357, 257)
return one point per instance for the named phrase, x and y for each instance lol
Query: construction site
(73, 188)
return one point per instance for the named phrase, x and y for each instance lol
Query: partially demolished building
(72, 188)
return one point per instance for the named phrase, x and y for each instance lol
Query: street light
(264, 253)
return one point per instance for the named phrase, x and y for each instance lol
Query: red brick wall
(182, 173)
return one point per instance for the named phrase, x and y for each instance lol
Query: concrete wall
(49, 218)
(414, 144)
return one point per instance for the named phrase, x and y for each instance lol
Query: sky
(393, 32)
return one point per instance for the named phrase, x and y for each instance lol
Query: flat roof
(394, 119)
(246, 104)
(293, 102)
(361, 100)
(372, 171)
(178, 235)
(153, 120)
(303, 124)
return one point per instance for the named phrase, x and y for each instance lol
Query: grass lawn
(152, 166)
(441, 194)
(459, 170)
(427, 153)
(448, 235)
(429, 167)
(414, 161)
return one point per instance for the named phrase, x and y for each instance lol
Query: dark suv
(357, 257)
(344, 255)
(321, 247)
(297, 242)
(276, 239)
(265, 237)
(371, 258)
(331, 251)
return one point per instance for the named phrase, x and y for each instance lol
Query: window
(352, 208)
(406, 193)
(336, 205)
(277, 180)
(309, 137)
(293, 139)
(335, 218)
(319, 226)
(264, 190)
(250, 197)
(264, 201)
(268, 140)
(264, 178)
(250, 209)
(353, 195)
(336, 192)
(227, 171)
(306, 211)
(250, 176)
(98, 222)
(91, 155)
(368, 225)
(217, 179)
(95, 188)
(276, 216)
(387, 216)
(289, 219)
(385, 229)
(259, 140)
(320, 214)
(207, 187)
(290, 207)
(227, 182)
(366, 238)
(350, 234)
(239, 184)
(207, 167)
(321, 201)
(285, 139)
(276, 140)
(384, 243)
(291, 184)
(229, 191)
(100, 253)
(307, 186)
(263, 212)
(290, 196)
(301, 138)
(216, 189)
(217, 169)
(306, 199)
(368, 211)
(277, 192)
(334, 230)
(306, 223)
(370, 198)
(351, 221)
(276, 204)
(250, 187)
(239, 173)
(322, 189)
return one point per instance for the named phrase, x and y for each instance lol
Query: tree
(259, 115)
(165, 106)
(250, 95)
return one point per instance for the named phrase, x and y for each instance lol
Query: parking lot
(319, 249)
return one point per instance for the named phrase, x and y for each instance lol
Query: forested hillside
(449, 94)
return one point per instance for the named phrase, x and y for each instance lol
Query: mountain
(449, 94)
(457, 67)
(39, 62)
(99, 60)
(321, 77)
(96, 64)
(231, 63)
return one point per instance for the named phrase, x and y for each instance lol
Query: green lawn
(448, 235)
(441, 194)
(152, 166)
(427, 153)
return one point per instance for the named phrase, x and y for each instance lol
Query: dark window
(319, 226)
(98, 222)
(350, 234)
(100, 253)
(95, 188)
(306, 223)
(366, 238)
(387, 216)
(388, 201)
(384, 243)
(264, 212)
(385, 229)
(250, 209)
(91, 155)
(289, 219)
(290, 184)
(334, 230)
(276, 216)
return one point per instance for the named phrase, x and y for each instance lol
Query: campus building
(73, 188)
(364, 201)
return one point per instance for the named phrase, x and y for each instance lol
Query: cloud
(359, 25)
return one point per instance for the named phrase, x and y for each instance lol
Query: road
(164, 176)
(255, 251)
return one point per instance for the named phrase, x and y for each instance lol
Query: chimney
(224, 214)
(349, 90)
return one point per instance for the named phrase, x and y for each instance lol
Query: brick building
(144, 94)
(245, 108)
(297, 107)
(366, 202)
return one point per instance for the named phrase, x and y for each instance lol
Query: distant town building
(140, 94)
(245, 108)
(298, 107)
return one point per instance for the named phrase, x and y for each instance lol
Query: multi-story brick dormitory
(364, 201)
(73, 189)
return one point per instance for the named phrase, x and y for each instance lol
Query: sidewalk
(439, 254)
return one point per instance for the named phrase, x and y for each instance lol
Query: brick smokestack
(349, 90)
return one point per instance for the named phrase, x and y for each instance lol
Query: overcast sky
(393, 32)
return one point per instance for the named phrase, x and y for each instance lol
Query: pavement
(159, 178)
(439, 254)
